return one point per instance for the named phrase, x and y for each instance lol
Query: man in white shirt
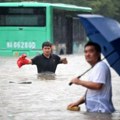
(98, 97)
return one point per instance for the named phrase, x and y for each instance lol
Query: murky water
(41, 99)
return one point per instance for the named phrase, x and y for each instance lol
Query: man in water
(98, 97)
(46, 62)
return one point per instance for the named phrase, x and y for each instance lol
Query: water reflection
(46, 76)
(98, 116)
(47, 95)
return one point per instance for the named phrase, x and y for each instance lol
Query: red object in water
(22, 61)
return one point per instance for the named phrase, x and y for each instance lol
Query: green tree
(104, 7)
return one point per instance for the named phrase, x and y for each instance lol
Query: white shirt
(100, 100)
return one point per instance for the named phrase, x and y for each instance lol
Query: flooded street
(41, 99)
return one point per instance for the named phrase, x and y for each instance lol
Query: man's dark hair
(97, 47)
(48, 44)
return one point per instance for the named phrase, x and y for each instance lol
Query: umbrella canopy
(105, 32)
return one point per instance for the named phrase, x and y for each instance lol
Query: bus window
(20, 16)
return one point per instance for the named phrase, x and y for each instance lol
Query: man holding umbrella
(98, 97)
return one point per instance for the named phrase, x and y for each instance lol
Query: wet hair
(97, 47)
(48, 44)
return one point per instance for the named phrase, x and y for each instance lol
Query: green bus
(24, 26)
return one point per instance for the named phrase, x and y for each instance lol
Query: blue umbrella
(105, 32)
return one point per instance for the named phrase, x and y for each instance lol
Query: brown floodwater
(25, 95)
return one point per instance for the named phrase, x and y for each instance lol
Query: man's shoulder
(38, 56)
(54, 55)
(102, 65)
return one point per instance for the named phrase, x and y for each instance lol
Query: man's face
(91, 55)
(47, 50)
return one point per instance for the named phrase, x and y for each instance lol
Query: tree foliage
(109, 8)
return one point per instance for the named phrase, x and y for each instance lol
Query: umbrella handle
(72, 83)
(81, 75)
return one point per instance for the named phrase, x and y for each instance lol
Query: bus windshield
(20, 16)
